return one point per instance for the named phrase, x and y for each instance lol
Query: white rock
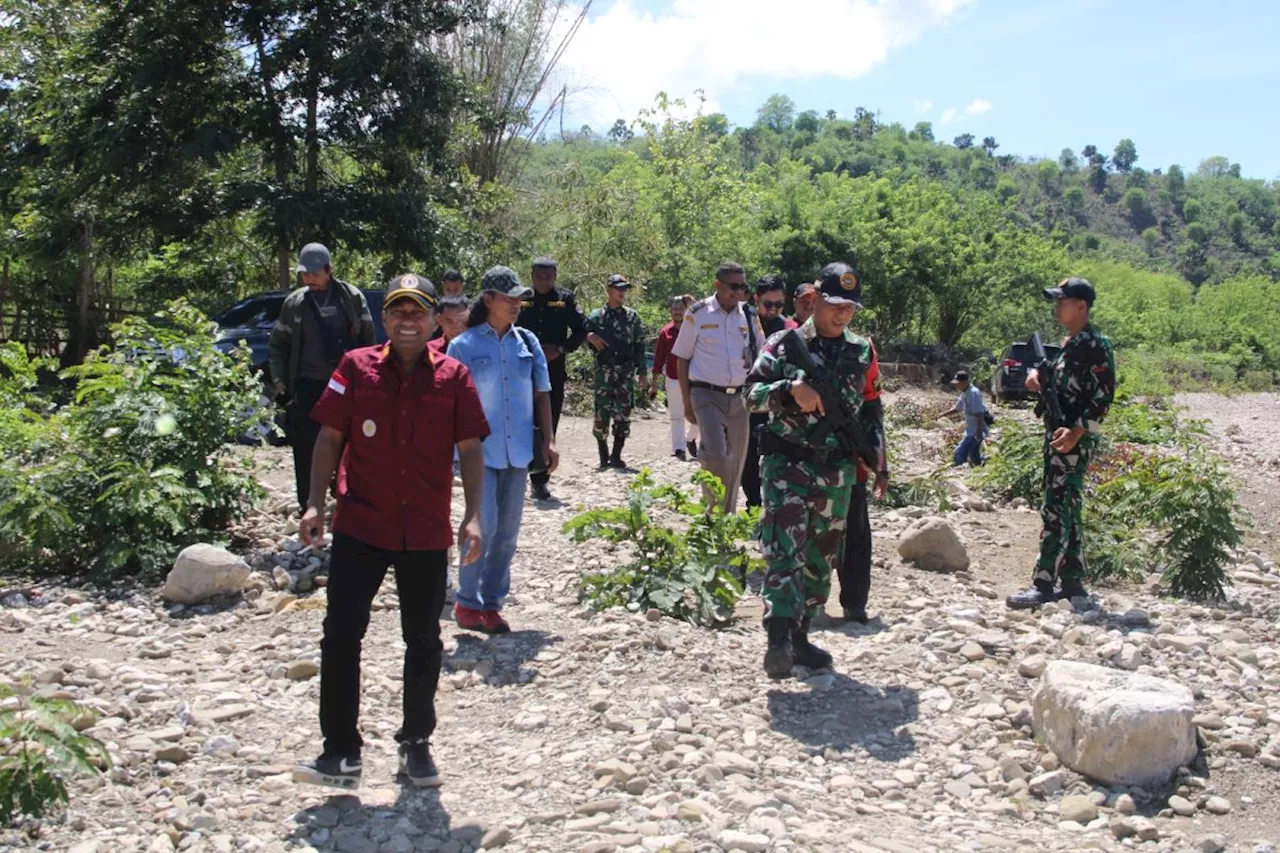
(202, 572)
(747, 842)
(1112, 726)
(932, 543)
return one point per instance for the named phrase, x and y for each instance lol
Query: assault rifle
(837, 418)
(615, 352)
(1050, 406)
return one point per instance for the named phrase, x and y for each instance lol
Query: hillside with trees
(161, 149)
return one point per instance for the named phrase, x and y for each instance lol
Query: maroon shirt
(395, 479)
(663, 361)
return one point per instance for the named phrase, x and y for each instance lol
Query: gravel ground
(601, 732)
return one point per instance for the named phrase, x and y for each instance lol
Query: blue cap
(314, 257)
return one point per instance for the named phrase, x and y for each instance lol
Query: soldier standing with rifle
(814, 383)
(617, 335)
(1075, 390)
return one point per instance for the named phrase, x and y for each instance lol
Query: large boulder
(931, 543)
(1116, 727)
(202, 572)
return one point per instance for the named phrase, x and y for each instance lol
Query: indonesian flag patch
(337, 384)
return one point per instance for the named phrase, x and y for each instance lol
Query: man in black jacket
(553, 315)
(318, 323)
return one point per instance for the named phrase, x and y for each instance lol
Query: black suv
(1009, 380)
(250, 320)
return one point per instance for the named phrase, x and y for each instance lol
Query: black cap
(961, 376)
(410, 286)
(1072, 288)
(313, 258)
(619, 281)
(505, 281)
(542, 262)
(451, 275)
(839, 283)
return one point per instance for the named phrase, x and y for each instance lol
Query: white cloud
(948, 116)
(923, 107)
(977, 107)
(621, 58)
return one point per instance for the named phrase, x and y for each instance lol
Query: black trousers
(356, 570)
(559, 373)
(751, 469)
(855, 568)
(303, 432)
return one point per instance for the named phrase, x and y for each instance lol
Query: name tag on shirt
(709, 326)
(555, 304)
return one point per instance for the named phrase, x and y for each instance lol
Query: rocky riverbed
(629, 732)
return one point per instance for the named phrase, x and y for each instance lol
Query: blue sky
(1184, 80)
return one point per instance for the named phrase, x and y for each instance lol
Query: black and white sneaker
(416, 763)
(333, 771)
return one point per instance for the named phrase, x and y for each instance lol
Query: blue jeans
(969, 450)
(483, 584)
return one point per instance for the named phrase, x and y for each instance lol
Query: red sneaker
(469, 619)
(493, 623)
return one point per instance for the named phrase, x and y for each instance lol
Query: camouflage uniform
(806, 502)
(1085, 375)
(615, 375)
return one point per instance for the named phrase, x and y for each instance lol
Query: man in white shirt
(718, 342)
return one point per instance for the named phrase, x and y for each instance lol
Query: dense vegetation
(159, 148)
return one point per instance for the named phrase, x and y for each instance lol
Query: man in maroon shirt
(683, 436)
(393, 414)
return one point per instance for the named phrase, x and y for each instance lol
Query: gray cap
(314, 257)
(504, 280)
(542, 262)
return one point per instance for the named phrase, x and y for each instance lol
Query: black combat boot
(777, 658)
(1041, 593)
(615, 461)
(1072, 588)
(805, 653)
(603, 447)
(692, 444)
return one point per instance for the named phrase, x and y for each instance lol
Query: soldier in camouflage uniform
(617, 335)
(807, 487)
(1084, 373)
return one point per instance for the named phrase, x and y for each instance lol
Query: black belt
(732, 389)
(773, 444)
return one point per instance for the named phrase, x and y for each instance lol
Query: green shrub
(137, 465)
(906, 412)
(39, 749)
(1015, 462)
(692, 575)
(927, 491)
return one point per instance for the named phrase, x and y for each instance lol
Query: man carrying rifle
(815, 384)
(1076, 391)
(617, 335)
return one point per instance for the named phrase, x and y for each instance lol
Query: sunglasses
(736, 287)
(770, 304)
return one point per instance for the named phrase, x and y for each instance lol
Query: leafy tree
(1198, 234)
(1151, 239)
(621, 131)
(1192, 210)
(923, 131)
(1047, 175)
(1068, 161)
(1007, 190)
(963, 141)
(1074, 198)
(1089, 152)
(1135, 201)
(989, 144)
(1236, 228)
(808, 122)
(1214, 167)
(778, 114)
(1125, 155)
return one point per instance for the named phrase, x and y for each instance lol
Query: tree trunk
(4, 295)
(286, 271)
(313, 134)
(78, 341)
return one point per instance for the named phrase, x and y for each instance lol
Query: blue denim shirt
(971, 404)
(507, 372)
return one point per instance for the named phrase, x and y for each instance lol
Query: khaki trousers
(722, 446)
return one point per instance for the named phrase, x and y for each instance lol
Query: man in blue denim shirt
(971, 405)
(510, 373)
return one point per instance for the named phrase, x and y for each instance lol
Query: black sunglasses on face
(771, 304)
(736, 287)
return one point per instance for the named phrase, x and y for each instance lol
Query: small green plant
(39, 750)
(1015, 462)
(927, 491)
(694, 575)
(137, 464)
